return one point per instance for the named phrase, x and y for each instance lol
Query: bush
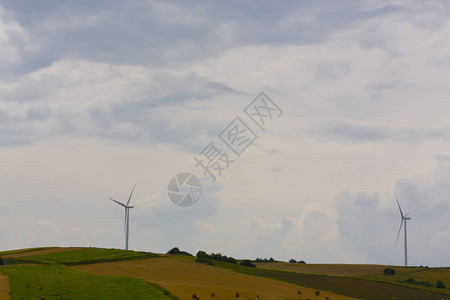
(389, 271)
(292, 261)
(413, 281)
(178, 252)
(264, 260)
(231, 260)
(247, 263)
(440, 284)
(301, 262)
(216, 256)
(204, 260)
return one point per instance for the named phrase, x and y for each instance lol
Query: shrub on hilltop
(178, 252)
(216, 256)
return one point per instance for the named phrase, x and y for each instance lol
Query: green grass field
(85, 256)
(59, 280)
(352, 287)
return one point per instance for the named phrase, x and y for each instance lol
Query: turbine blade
(401, 213)
(398, 235)
(120, 203)
(129, 199)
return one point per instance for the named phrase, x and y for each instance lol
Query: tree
(202, 254)
(317, 294)
(299, 294)
(389, 271)
(440, 284)
(194, 296)
(292, 261)
(213, 295)
(174, 251)
(237, 295)
(1, 261)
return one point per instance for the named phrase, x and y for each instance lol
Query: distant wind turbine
(404, 219)
(127, 216)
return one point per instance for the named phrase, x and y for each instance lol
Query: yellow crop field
(4, 287)
(184, 277)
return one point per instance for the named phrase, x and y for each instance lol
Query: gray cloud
(158, 33)
(351, 133)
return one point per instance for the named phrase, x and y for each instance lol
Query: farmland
(96, 273)
(184, 277)
(353, 287)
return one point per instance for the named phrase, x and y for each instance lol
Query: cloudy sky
(98, 96)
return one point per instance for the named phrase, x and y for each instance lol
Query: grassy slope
(345, 286)
(72, 284)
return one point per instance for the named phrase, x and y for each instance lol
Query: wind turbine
(127, 216)
(404, 219)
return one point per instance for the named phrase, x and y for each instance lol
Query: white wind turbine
(127, 216)
(404, 219)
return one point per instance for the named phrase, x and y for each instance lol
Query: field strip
(39, 252)
(184, 277)
(331, 269)
(4, 287)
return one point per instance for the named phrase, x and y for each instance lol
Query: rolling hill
(95, 273)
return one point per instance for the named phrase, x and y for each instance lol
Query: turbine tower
(127, 216)
(404, 219)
